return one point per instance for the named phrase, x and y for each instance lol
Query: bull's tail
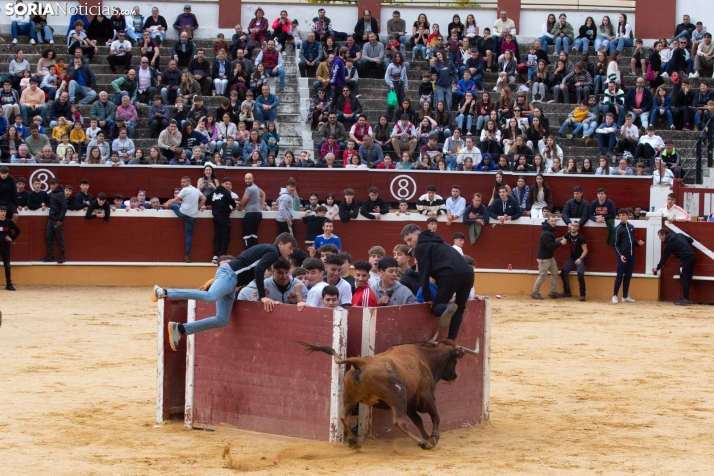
(357, 362)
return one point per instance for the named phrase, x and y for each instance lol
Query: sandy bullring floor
(576, 389)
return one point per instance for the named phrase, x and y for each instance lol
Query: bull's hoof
(354, 445)
(426, 445)
(434, 440)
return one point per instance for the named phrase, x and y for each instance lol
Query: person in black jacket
(546, 246)
(679, 245)
(55, 226)
(437, 259)
(9, 232)
(314, 224)
(578, 252)
(250, 265)
(8, 192)
(375, 206)
(348, 208)
(360, 35)
(505, 209)
(625, 248)
(222, 205)
(476, 216)
(83, 199)
(576, 208)
(99, 208)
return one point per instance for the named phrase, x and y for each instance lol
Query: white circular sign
(403, 187)
(43, 175)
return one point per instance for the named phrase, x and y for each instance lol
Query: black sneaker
(61, 260)
(567, 294)
(49, 259)
(10, 287)
(555, 295)
(683, 302)
(582, 298)
(537, 296)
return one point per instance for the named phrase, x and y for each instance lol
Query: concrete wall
(698, 10)
(532, 20)
(442, 16)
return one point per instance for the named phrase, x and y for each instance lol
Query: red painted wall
(701, 291)
(130, 239)
(229, 14)
(160, 181)
(251, 375)
(174, 383)
(513, 7)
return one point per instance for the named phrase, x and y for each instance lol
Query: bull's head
(455, 353)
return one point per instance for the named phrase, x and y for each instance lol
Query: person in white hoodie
(672, 212)
(285, 207)
(22, 25)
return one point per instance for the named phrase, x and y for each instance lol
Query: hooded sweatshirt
(411, 280)
(437, 260)
(547, 243)
(678, 244)
(222, 203)
(625, 241)
(285, 206)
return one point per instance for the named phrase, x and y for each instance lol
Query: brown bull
(402, 378)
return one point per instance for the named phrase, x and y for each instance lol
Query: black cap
(668, 141)
(458, 234)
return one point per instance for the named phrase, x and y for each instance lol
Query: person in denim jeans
(186, 206)
(249, 266)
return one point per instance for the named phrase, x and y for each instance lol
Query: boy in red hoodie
(363, 295)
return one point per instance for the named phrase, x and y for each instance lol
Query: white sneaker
(664, 75)
(14, 41)
(32, 42)
(628, 299)
(52, 42)
(693, 75)
(614, 299)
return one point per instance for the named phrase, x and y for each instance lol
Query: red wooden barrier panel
(394, 185)
(149, 236)
(702, 290)
(462, 403)
(251, 375)
(171, 366)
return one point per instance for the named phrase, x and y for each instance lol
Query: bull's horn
(433, 341)
(469, 351)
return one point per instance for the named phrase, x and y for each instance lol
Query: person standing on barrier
(578, 252)
(436, 259)
(186, 206)
(680, 245)
(249, 266)
(625, 248)
(252, 203)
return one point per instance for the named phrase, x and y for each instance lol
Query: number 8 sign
(403, 187)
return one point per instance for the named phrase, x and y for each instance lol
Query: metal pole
(710, 146)
(699, 179)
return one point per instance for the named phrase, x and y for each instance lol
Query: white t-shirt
(458, 248)
(120, 47)
(189, 201)
(314, 296)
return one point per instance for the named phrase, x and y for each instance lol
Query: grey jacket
(398, 294)
(285, 206)
(276, 295)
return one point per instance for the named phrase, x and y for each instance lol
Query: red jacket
(364, 297)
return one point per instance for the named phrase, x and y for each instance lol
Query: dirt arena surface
(577, 388)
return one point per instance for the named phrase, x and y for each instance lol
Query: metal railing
(693, 163)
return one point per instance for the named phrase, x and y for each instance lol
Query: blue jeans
(40, 111)
(601, 42)
(601, 143)
(478, 80)
(667, 113)
(481, 121)
(531, 72)
(460, 122)
(87, 94)
(545, 41)
(589, 128)
(265, 116)
(117, 100)
(624, 275)
(581, 42)
(50, 92)
(23, 29)
(620, 117)
(188, 223)
(45, 35)
(599, 81)
(450, 161)
(161, 36)
(577, 127)
(280, 73)
(442, 93)
(561, 41)
(620, 44)
(684, 34)
(644, 118)
(418, 49)
(222, 292)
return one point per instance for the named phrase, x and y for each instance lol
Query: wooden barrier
(702, 288)
(460, 404)
(394, 185)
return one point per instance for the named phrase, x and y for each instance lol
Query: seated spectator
(159, 117)
(60, 108)
(365, 25)
(127, 85)
(77, 38)
(638, 102)
(670, 157)
(701, 99)
(539, 198)
(476, 216)
(272, 60)
(581, 119)
(47, 156)
(100, 30)
(123, 146)
(661, 174)
(602, 208)
(103, 111)
(32, 101)
(200, 69)
(310, 54)
(22, 156)
(649, 145)
(388, 290)
(266, 107)
(183, 50)
(120, 53)
(704, 57)
(606, 135)
(103, 148)
(672, 212)
(36, 140)
(148, 81)
(614, 102)
(604, 168)
(128, 113)
(347, 107)
(505, 208)
(622, 169)
(187, 22)
(373, 54)
(82, 82)
(629, 136)
(374, 206)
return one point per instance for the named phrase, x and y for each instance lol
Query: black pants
(119, 60)
(157, 125)
(645, 151)
(148, 95)
(686, 271)
(251, 222)
(221, 235)
(567, 268)
(5, 253)
(629, 145)
(683, 114)
(54, 231)
(284, 228)
(446, 286)
(87, 51)
(399, 89)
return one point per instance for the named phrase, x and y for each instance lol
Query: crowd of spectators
(456, 126)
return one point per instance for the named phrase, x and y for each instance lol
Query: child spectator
(327, 238)
(638, 59)
(91, 133)
(459, 241)
(531, 63)
(272, 139)
(77, 137)
(352, 77)
(426, 90)
(432, 223)
(220, 44)
(99, 208)
(349, 153)
(376, 253)
(117, 202)
(25, 81)
(75, 115)
(64, 147)
(60, 129)
(403, 208)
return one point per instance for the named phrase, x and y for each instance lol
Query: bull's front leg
(431, 410)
